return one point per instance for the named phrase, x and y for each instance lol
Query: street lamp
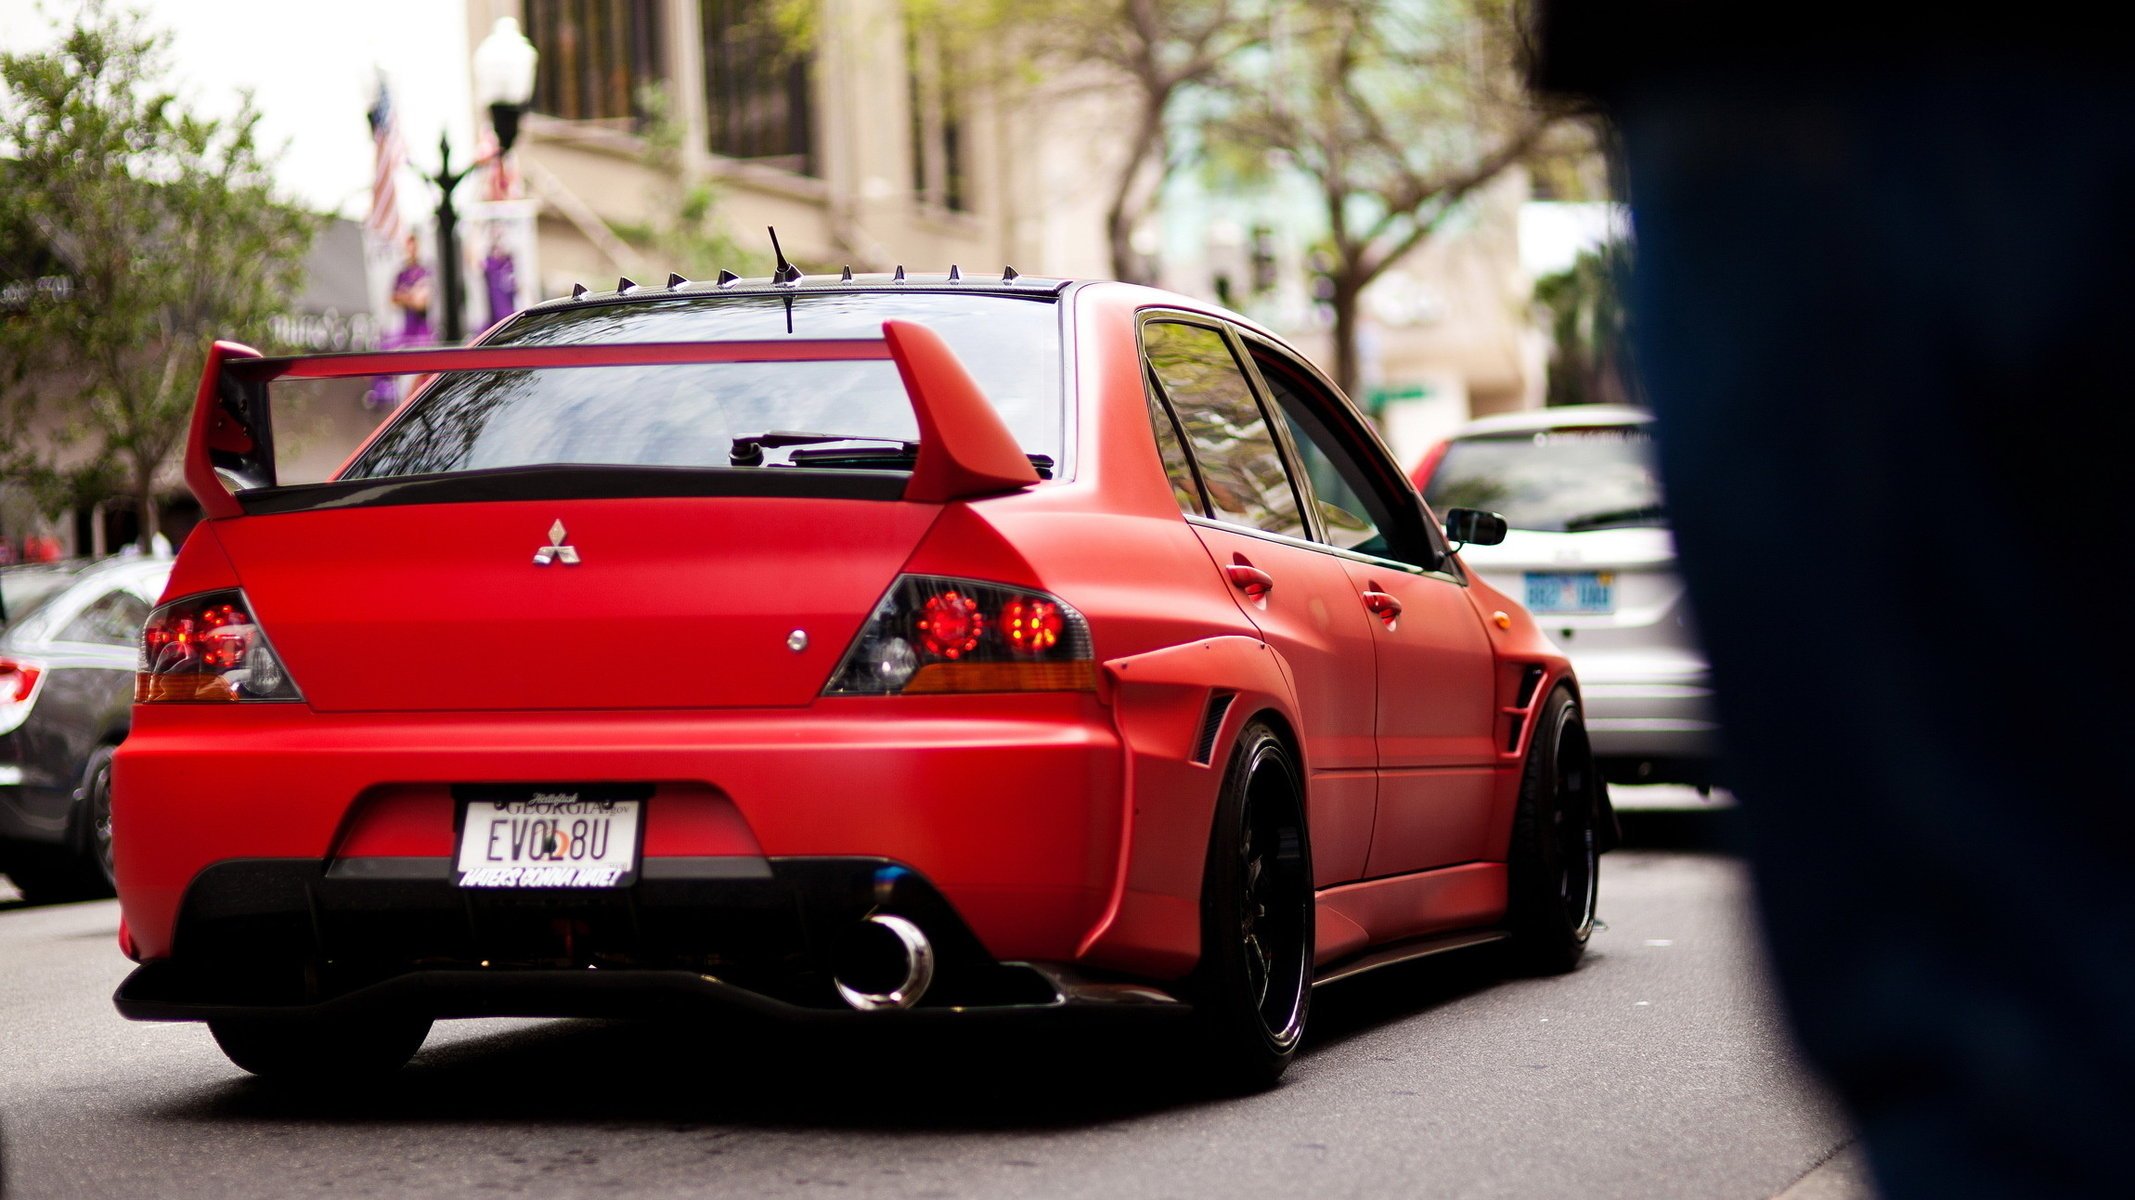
(504, 81)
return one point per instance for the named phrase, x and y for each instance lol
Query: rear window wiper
(1645, 514)
(749, 450)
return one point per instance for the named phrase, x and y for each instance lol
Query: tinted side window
(1357, 511)
(1225, 430)
(114, 620)
(1184, 488)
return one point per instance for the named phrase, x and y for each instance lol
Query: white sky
(311, 65)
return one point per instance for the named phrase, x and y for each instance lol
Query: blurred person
(1880, 298)
(411, 298)
(500, 278)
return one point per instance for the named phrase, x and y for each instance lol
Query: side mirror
(1474, 527)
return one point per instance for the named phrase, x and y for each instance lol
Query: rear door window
(111, 620)
(1241, 469)
(1362, 503)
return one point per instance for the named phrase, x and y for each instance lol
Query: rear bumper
(1010, 806)
(294, 939)
(1647, 717)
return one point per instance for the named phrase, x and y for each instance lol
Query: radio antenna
(786, 272)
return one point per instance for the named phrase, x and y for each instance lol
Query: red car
(863, 645)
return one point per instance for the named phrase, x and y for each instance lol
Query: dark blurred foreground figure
(1885, 302)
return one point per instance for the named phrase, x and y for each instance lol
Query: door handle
(1254, 582)
(1383, 605)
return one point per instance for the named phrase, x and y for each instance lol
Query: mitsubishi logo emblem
(556, 551)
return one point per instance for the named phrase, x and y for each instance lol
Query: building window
(595, 56)
(937, 124)
(758, 86)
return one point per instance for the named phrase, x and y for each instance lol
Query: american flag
(388, 153)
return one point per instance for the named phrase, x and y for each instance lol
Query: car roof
(1566, 416)
(1008, 283)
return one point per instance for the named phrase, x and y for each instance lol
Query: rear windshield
(1559, 480)
(691, 415)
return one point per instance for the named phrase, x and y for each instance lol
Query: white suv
(1590, 554)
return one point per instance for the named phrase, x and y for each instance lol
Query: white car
(1591, 555)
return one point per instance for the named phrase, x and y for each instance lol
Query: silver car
(1591, 555)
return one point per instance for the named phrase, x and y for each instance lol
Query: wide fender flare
(1161, 703)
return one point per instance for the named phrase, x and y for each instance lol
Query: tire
(316, 1053)
(1554, 862)
(92, 824)
(1253, 987)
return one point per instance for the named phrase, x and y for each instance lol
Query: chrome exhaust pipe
(884, 949)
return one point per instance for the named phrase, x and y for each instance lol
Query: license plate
(1571, 592)
(549, 839)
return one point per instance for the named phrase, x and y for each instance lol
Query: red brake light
(17, 680)
(208, 647)
(951, 625)
(1031, 626)
(933, 634)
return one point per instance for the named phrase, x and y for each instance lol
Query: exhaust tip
(883, 962)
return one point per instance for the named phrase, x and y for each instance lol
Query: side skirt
(1407, 951)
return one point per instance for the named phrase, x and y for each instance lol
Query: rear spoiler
(965, 449)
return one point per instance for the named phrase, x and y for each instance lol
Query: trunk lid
(674, 602)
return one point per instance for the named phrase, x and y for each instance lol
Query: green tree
(167, 229)
(1590, 355)
(686, 234)
(1398, 111)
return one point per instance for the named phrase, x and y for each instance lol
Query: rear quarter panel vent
(1219, 706)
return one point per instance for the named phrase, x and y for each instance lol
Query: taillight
(19, 680)
(208, 648)
(931, 634)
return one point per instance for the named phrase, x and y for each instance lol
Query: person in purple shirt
(500, 275)
(411, 295)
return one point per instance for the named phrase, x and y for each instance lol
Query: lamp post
(504, 81)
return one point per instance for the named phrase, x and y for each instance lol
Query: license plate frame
(522, 837)
(1571, 593)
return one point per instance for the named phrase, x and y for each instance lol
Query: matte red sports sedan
(876, 646)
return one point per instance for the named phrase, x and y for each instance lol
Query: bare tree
(1398, 110)
(1151, 52)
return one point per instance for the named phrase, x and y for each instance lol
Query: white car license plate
(1571, 591)
(549, 839)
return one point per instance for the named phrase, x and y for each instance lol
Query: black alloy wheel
(95, 818)
(1556, 843)
(1253, 987)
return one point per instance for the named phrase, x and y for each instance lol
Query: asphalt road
(1658, 1069)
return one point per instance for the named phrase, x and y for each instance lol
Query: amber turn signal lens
(152, 689)
(941, 678)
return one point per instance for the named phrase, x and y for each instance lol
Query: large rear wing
(965, 449)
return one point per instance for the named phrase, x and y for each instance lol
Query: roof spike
(675, 280)
(625, 284)
(955, 276)
(899, 276)
(847, 277)
(1008, 275)
(577, 290)
(726, 277)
